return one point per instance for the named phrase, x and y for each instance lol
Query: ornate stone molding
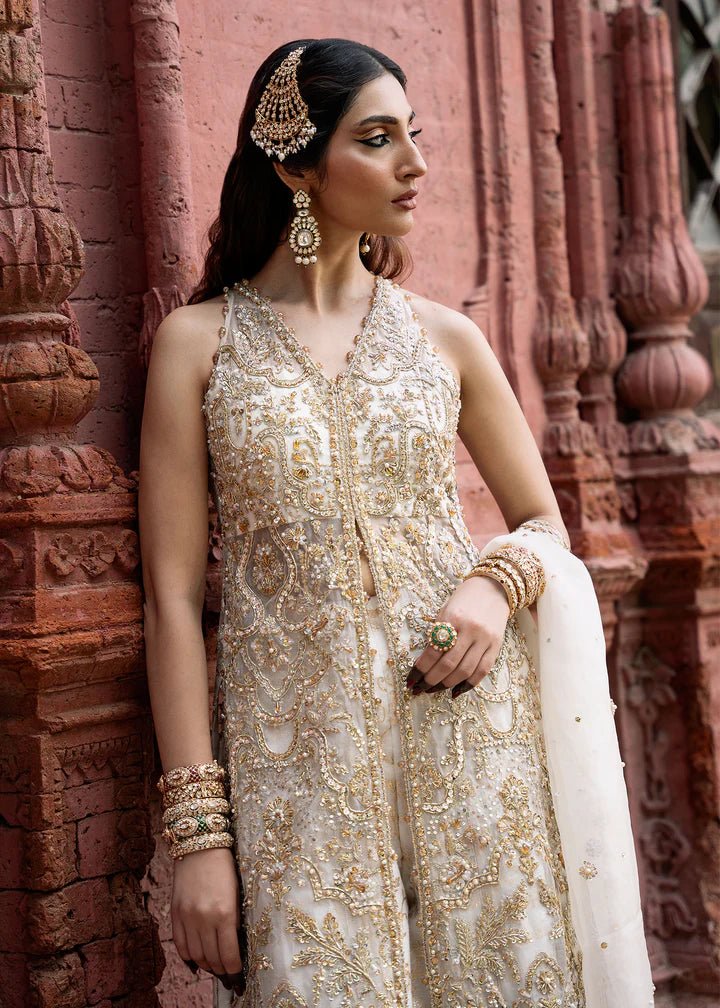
(562, 348)
(75, 734)
(47, 381)
(659, 280)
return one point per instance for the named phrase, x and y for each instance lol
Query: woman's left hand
(479, 611)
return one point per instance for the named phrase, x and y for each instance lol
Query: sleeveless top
(306, 471)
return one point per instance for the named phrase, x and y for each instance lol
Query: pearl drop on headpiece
(282, 125)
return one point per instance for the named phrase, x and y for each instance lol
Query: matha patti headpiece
(281, 125)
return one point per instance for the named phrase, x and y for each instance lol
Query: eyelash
(413, 133)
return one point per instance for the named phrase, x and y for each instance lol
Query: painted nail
(461, 688)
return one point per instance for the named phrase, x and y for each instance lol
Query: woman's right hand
(204, 910)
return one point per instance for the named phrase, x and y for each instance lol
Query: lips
(410, 194)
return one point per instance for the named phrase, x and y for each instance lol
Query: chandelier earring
(304, 236)
(365, 242)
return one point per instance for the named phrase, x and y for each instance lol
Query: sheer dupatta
(585, 770)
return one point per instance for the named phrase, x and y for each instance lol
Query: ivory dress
(395, 851)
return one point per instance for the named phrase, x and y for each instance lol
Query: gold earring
(304, 237)
(365, 247)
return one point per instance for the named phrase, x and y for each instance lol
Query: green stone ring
(442, 636)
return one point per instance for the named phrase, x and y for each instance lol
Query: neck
(338, 280)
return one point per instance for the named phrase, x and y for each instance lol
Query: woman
(399, 814)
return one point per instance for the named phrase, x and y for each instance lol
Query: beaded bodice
(278, 450)
(299, 461)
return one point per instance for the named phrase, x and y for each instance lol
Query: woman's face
(370, 164)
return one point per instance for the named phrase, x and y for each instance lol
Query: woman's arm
(173, 519)
(496, 434)
(173, 515)
(493, 429)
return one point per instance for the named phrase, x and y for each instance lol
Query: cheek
(357, 178)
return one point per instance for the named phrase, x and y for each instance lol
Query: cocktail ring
(442, 636)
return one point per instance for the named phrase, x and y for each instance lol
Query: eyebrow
(390, 120)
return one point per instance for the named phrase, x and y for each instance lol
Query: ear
(292, 178)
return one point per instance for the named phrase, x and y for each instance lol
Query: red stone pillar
(165, 167)
(75, 732)
(667, 654)
(562, 347)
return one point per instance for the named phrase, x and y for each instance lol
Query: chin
(399, 232)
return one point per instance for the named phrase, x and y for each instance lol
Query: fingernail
(418, 688)
(436, 688)
(461, 688)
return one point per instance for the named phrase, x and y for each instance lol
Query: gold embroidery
(544, 978)
(520, 824)
(259, 936)
(277, 849)
(345, 972)
(326, 489)
(487, 952)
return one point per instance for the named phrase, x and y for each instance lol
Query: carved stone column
(75, 735)
(585, 221)
(166, 171)
(580, 473)
(668, 647)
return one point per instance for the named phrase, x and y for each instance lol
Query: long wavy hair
(255, 204)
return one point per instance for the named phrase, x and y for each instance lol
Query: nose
(417, 167)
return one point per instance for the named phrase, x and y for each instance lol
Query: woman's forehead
(383, 97)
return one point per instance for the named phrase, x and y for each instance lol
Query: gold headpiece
(281, 125)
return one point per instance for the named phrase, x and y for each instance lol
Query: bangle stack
(546, 527)
(196, 812)
(518, 570)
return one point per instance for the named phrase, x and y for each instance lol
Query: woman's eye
(384, 136)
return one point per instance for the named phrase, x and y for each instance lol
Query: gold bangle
(529, 566)
(199, 805)
(197, 825)
(517, 566)
(204, 842)
(516, 577)
(544, 527)
(497, 574)
(194, 774)
(207, 789)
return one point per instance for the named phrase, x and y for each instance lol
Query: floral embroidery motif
(308, 475)
(276, 850)
(487, 953)
(345, 972)
(521, 825)
(544, 985)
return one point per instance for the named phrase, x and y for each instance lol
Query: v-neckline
(288, 333)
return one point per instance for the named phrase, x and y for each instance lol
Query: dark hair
(255, 204)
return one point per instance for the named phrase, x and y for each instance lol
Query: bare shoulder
(189, 336)
(456, 336)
